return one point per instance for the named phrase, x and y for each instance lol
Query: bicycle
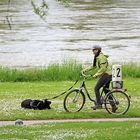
(75, 99)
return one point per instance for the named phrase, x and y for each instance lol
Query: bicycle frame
(111, 100)
(83, 85)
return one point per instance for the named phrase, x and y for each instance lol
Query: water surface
(69, 32)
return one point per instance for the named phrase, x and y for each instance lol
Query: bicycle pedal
(93, 108)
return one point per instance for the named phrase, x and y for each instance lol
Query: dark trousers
(103, 81)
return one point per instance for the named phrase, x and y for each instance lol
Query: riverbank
(68, 70)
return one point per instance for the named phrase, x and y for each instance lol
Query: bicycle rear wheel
(117, 102)
(74, 101)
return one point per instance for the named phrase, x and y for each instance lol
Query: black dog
(26, 104)
(36, 104)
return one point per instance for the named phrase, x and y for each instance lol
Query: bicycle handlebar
(86, 76)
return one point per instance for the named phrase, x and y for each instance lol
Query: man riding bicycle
(100, 62)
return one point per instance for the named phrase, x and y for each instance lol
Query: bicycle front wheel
(117, 102)
(74, 101)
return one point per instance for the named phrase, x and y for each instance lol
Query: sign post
(117, 82)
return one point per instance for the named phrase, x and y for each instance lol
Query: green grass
(68, 70)
(13, 93)
(74, 131)
(131, 70)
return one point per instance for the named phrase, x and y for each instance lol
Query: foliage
(41, 10)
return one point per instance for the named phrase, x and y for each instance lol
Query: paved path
(30, 122)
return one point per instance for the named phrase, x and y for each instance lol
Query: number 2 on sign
(118, 72)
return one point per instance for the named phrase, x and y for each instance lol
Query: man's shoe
(96, 107)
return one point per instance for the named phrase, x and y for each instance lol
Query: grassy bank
(68, 70)
(74, 131)
(13, 93)
(131, 70)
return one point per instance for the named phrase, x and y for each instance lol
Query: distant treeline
(68, 70)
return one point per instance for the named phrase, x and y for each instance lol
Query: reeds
(131, 70)
(68, 70)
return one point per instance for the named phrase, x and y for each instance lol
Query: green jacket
(101, 65)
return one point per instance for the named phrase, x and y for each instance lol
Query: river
(69, 32)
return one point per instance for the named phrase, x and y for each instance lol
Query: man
(100, 62)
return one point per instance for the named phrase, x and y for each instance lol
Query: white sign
(116, 73)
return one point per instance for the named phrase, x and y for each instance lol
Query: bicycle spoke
(74, 101)
(117, 103)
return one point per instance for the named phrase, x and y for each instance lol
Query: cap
(96, 47)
